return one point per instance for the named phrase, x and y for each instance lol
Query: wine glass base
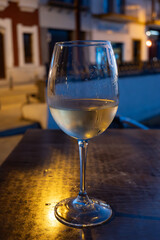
(82, 214)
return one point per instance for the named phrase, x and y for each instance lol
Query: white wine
(83, 118)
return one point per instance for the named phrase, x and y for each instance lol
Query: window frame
(33, 30)
(6, 29)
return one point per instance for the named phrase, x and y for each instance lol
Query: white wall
(139, 96)
(125, 33)
(58, 18)
(97, 6)
(98, 29)
(35, 45)
(137, 32)
(52, 18)
(115, 37)
(25, 74)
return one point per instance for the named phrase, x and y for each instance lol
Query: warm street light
(149, 43)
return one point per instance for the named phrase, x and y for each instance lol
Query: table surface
(123, 169)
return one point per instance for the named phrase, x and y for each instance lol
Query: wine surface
(83, 118)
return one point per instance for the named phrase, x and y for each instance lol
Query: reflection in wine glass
(83, 100)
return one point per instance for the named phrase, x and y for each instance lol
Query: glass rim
(83, 43)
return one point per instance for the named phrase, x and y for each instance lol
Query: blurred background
(30, 28)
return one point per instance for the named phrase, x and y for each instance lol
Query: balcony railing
(115, 17)
(139, 68)
(117, 11)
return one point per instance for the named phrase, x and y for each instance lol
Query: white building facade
(123, 22)
(20, 56)
(30, 28)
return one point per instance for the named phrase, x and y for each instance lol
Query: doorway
(136, 51)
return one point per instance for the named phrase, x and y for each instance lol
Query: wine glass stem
(83, 144)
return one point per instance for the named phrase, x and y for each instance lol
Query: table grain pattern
(123, 168)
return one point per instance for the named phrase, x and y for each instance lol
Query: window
(57, 35)
(82, 2)
(136, 50)
(119, 6)
(28, 54)
(28, 45)
(65, 1)
(100, 55)
(115, 6)
(108, 6)
(118, 51)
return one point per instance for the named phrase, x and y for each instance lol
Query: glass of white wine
(83, 100)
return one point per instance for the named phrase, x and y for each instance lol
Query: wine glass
(83, 100)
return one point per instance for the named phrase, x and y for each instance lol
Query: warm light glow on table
(52, 219)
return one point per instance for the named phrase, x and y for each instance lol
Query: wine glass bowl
(83, 100)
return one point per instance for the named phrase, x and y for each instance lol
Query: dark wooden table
(123, 168)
